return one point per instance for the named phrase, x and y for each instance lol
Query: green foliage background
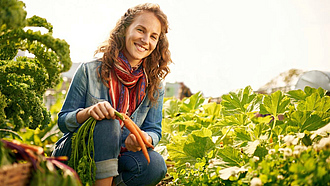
(247, 139)
(23, 81)
(248, 135)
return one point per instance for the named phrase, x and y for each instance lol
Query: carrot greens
(82, 154)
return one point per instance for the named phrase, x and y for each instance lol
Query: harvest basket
(17, 174)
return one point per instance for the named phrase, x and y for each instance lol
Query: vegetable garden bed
(249, 138)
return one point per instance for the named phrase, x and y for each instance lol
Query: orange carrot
(143, 138)
(130, 125)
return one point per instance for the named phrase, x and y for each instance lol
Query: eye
(139, 30)
(153, 37)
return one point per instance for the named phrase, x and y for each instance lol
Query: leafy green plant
(24, 80)
(48, 136)
(295, 164)
(220, 144)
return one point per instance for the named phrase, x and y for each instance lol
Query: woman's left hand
(132, 144)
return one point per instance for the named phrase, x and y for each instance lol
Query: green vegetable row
(226, 143)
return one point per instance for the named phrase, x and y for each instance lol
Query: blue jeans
(128, 168)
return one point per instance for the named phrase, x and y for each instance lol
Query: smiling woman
(141, 38)
(128, 79)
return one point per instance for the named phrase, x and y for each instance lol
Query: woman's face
(141, 37)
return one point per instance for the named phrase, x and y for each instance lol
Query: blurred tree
(23, 80)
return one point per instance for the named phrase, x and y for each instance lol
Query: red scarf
(127, 87)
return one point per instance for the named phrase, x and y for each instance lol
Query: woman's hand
(99, 111)
(132, 144)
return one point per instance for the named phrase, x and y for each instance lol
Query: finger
(103, 108)
(97, 113)
(132, 138)
(132, 143)
(129, 143)
(111, 111)
(137, 148)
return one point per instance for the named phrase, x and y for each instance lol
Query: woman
(128, 78)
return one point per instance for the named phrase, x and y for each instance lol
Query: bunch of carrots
(82, 155)
(134, 129)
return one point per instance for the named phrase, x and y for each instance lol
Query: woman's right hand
(99, 111)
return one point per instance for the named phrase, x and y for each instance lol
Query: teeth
(141, 48)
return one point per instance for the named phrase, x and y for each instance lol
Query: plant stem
(119, 115)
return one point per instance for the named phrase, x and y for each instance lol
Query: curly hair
(157, 62)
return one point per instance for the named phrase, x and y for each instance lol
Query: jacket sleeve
(74, 101)
(153, 122)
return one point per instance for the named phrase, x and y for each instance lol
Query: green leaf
(310, 103)
(261, 152)
(274, 104)
(192, 103)
(199, 143)
(323, 105)
(297, 95)
(236, 119)
(310, 165)
(171, 108)
(204, 119)
(305, 120)
(242, 134)
(212, 109)
(312, 123)
(321, 171)
(244, 100)
(176, 153)
(188, 126)
(298, 118)
(230, 156)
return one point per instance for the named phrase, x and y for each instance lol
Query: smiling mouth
(140, 48)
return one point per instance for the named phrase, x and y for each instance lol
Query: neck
(136, 64)
(132, 62)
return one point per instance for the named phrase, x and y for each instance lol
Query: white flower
(296, 153)
(297, 150)
(300, 148)
(324, 143)
(256, 182)
(281, 150)
(280, 137)
(287, 152)
(255, 158)
(231, 171)
(271, 151)
(280, 177)
(327, 160)
(290, 140)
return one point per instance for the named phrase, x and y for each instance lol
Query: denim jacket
(87, 89)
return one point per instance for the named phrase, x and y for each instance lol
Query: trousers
(127, 168)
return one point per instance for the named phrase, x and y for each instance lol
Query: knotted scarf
(127, 86)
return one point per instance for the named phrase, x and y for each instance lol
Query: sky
(217, 46)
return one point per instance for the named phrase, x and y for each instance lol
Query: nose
(145, 38)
